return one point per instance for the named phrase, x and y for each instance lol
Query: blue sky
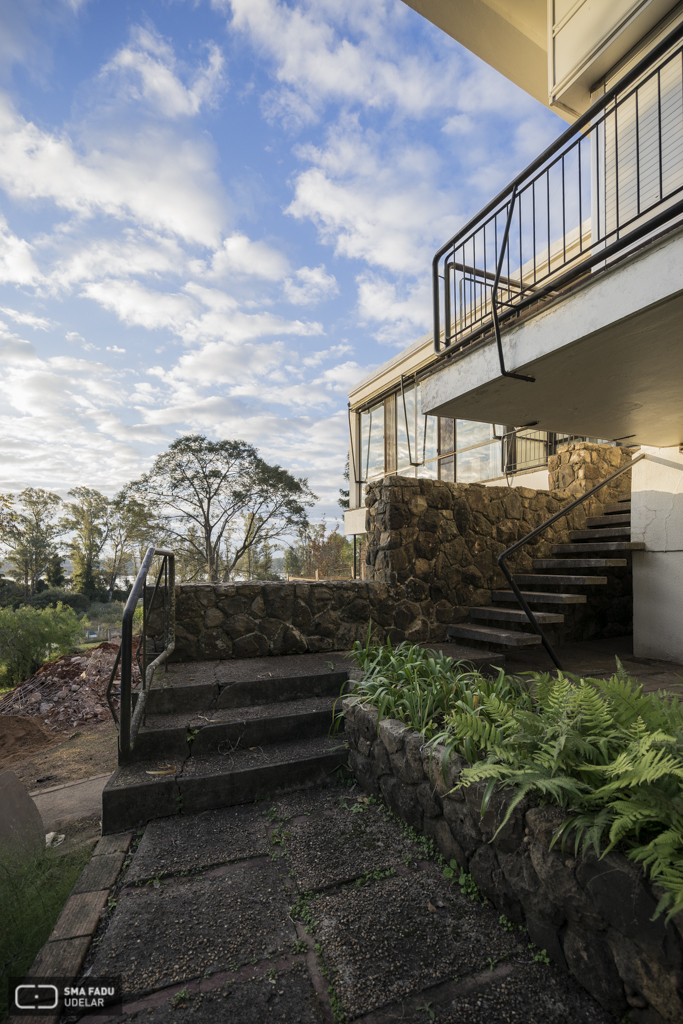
(217, 216)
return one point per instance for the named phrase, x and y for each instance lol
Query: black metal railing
(131, 713)
(615, 176)
(538, 629)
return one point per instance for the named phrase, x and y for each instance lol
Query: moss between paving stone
(194, 843)
(173, 933)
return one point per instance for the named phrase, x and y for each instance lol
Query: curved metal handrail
(129, 719)
(538, 629)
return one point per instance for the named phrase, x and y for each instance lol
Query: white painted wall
(657, 520)
(535, 478)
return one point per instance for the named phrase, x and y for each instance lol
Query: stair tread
(508, 637)
(513, 614)
(560, 581)
(531, 596)
(618, 532)
(616, 508)
(618, 519)
(579, 563)
(603, 545)
(251, 712)
(241, 760)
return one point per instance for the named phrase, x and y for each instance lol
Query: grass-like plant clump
(607, 753)
(32, 894)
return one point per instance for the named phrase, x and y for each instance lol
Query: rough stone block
(461, 824)
(362, 769)
(402, 800)
(444, 841)
(590, 959)
(392, 734)
(489, 878)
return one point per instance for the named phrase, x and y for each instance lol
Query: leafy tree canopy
(218, 499)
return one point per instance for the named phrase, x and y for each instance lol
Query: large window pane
(446, 435)
(447, 469)
(404, 413)
(390, 434)
(478, 464)
(372, 442)
(470, 432)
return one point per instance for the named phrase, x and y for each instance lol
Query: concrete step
(488, 634)
(513, 615)
(616, 508)
(527, 580)
(616, 532)
(538, 597)
(196, 686)
(135, 793)
(603, 545)
(614, 520)
(180, 735)
(579, 563)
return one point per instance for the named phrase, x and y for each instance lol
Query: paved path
(315, 908)
(60, 806)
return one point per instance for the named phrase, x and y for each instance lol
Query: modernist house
(558, 308)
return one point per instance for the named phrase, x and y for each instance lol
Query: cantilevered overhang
(607, 358)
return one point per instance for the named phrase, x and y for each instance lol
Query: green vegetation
(30, 636)
(32, 894)
(604, 751)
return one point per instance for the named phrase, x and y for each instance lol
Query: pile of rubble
(71, 691)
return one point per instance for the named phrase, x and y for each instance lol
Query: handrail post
(538, 629)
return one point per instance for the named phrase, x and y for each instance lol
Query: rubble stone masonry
(431, 554)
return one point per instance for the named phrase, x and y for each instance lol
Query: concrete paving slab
(190, 844)
(533, 994)
(179, 930)
(384, 943)
(339, 845)
(288, 996)
(63, 805)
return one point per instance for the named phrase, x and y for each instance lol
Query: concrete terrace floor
(315, 908)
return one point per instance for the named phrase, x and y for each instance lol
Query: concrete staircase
(225, 732)
(604, 545)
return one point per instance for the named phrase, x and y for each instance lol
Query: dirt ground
(79, 755)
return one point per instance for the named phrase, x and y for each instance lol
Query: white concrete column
(657, 521)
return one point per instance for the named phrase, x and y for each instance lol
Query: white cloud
(328, 51)
(154, 177)
(239, 255)
(311, 285)
(39, 323)
(404, 311)
(385, 208)
(115, 348)
(149, 70)
(16, 262)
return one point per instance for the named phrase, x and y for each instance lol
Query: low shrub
(54, 596)
(609, 754)
(32, 894)
(31, 636)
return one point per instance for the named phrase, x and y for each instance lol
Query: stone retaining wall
(248, 620)
(443, 541)
(578, 467)
(593, 917)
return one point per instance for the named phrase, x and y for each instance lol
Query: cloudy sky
(217, 215)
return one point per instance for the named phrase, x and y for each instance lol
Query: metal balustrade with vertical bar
(613, 178)
(131, 713)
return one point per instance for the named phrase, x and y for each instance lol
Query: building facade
(557, 308)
